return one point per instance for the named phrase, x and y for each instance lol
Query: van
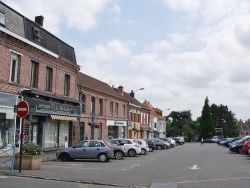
(181, 139)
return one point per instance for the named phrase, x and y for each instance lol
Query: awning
(63, 118)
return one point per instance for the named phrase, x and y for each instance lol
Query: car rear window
(106, 143)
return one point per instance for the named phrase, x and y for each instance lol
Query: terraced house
(41, 69)
(104, 111)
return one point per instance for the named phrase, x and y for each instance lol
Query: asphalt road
(187, 166)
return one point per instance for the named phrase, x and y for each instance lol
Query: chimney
(120, 89)
(39, 20)
(132, 94)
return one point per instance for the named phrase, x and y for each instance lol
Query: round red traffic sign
(22, 109)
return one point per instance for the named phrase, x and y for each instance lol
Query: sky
(179, 51)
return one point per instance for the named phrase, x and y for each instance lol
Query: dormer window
(2, 19)
(37, 34)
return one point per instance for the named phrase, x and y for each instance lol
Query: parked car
(160, 144)
(131, 148)
(229, 142)
(119, 150)
(208, 140)
(87, 149)
(143, 144)
(181, 139)
(177, 141)
(170, 141)
(245, 147)
(151, 144)
(238, 145)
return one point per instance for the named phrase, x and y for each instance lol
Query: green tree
(224, 118)
(206, 122)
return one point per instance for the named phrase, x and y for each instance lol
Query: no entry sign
(22, 109)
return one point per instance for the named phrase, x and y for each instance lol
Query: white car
(172, 142)
(144, 146)
(131, 148)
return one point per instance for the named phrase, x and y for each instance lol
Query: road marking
(211, 180)
(194, 167)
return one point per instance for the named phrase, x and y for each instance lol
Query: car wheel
(131, 153)
(158, 148)
(65, 157)
(143, 151)
(103, 158)
(151, 149)
(171, 145)
(118, 155)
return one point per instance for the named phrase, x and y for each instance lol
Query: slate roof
(97, 85)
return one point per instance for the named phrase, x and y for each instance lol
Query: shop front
(8, 120)
(116, 129)
(52, 125)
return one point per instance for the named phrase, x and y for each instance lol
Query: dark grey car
(87, 149)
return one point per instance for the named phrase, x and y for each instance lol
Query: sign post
(22, 111)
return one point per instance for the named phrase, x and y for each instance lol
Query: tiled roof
(97, 85)
(152, 112)
(133, 100)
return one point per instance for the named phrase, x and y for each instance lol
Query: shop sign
(53, 108)
(120, 123)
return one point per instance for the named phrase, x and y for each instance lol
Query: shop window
(111, 108)
(49, 79)
(66, 84)
(100, 132)
(34, 74)
(2, 19)
(100, 111)
(14, 68)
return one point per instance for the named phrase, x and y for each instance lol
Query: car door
(93, 149)
(79, 150)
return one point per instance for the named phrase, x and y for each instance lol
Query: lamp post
(130, 107)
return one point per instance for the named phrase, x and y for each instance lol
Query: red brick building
(104, 110)
(39, 68)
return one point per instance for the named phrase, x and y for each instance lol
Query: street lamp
(130, 107)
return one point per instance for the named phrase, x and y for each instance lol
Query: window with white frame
(34, 74)
(14, 68)
(49, 79)
(2, 18)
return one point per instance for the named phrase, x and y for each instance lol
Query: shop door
(34, 133)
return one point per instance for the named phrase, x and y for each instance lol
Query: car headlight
(233, 145)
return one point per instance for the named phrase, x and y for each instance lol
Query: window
(49, 79)
(2, 18)
(34, 74)
(66, 85)
(100, 110)
(14, 69)
(111, 108)
(92, 105)
(36, 34)
(124, 111)
(116, 109)
(83, 102)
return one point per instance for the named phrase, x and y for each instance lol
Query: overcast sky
(180, 51)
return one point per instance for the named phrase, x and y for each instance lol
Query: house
(104, 111)
(41, 69)
(157, 121)
(138, 124)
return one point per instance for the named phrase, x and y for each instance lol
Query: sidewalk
(48, 156)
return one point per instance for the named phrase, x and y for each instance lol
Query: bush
(31, 148)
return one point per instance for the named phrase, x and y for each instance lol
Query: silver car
(87, 149)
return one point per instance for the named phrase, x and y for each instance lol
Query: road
(187, 166)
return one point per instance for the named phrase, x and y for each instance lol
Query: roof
(152, 109)
(97, 85)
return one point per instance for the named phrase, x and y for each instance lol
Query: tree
(206, 122)
(224, 118)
